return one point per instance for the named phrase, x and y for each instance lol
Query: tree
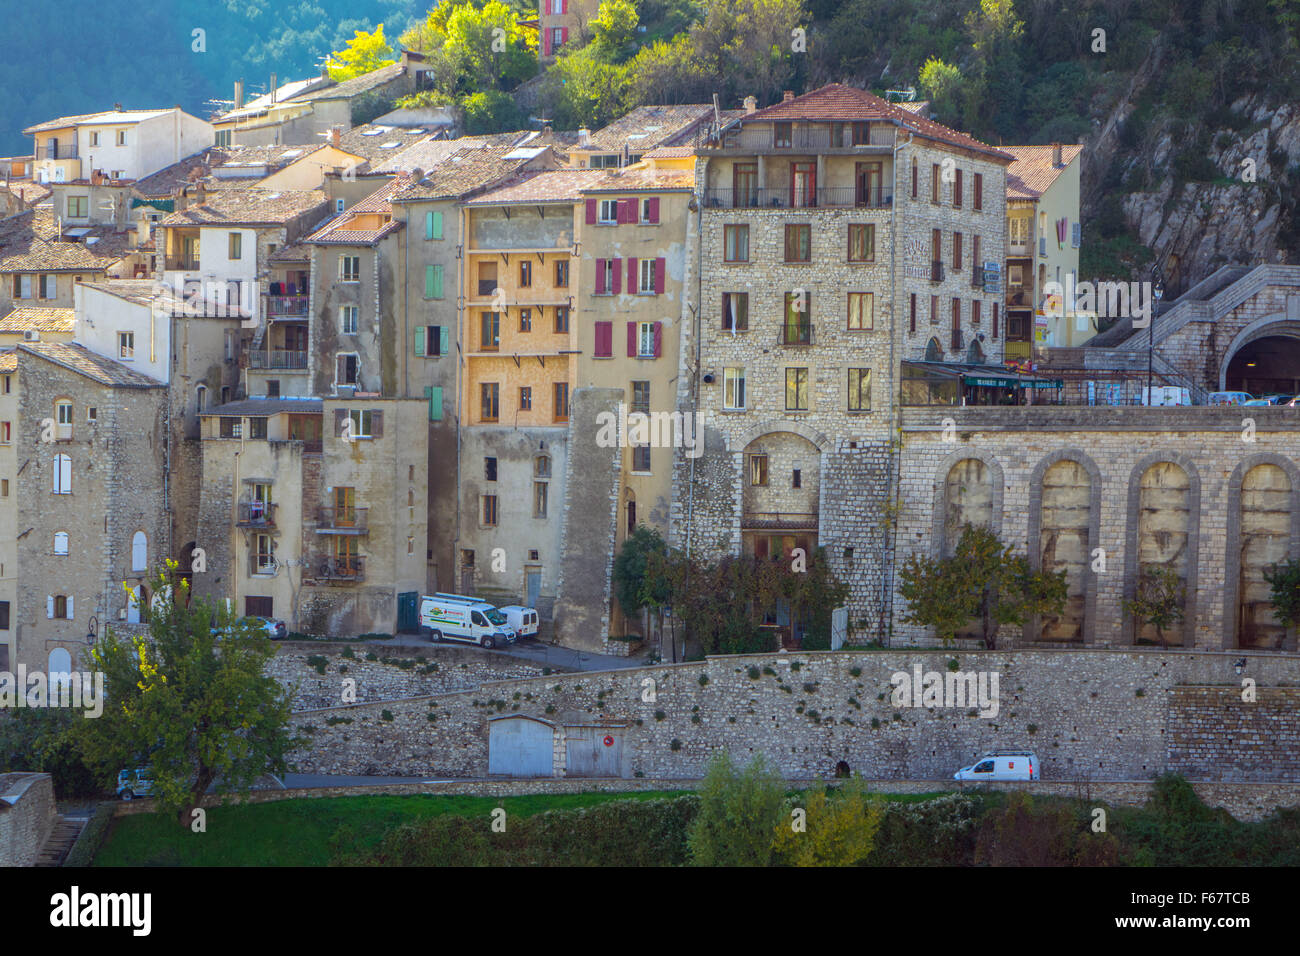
(1159, 600)
(739, 810)
(983, 580)
(632, 585)
(746, 45)
(666, 72)
(364, 53)
(614, 30)
(839, 827)
(1284, 580)
(491, 111)
(190, 702)
(581, 90)
(941, 83)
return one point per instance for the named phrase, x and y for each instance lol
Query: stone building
(84, 487)
(838, 239)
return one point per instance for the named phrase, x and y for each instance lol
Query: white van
(1001, 765)
(522, 619)
(474, 623)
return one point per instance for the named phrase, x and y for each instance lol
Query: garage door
(520, 747)
(593, 751)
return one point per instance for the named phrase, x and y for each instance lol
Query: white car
(1001, 765)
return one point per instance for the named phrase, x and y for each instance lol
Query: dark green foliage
(41, 740)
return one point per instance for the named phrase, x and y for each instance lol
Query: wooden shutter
(428, 281)
(437, 281)
(546, 45)
(600, 274)
(428, 225)
(618, 276)
(419, 340)
(654, 209)
(629, 210)
(633, 281)
(660, 269)
(564, 31)
(434, 394)
(72, 612)
(631, 340)
(49, 605)
(659, 339)
(604, 340)
(437, 225)
(444, 339)
(376, 424)
(65, 473)
(340, 416)
(591, 207)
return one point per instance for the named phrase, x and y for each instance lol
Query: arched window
(933, 351)
(60, 542)
(139, 551)
(60, 666)
(201, 399)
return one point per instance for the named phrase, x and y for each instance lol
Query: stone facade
(27, 816)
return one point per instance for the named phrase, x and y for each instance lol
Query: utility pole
(1157, 293)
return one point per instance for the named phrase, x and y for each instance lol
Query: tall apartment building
(840, 237)
(1043, 237)
(83, 493)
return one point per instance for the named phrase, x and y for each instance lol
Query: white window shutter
(49, 605)
(54, 474)
(65, 473)
(71, 613)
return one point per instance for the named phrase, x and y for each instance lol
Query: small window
(490, 510)
(490, 469)
(349, 268)
(60, 542)
(608, 211)
(94, 138)
(861, 311)
(525, 273)
(647, 270)
(525, 320)
(489, 401)
(63, 413)
(540, 495)
(362, 422)
(4, 487)
(525, 398)
(126, 345)
(61, 475)
(735, 311)
(782, 135)
(862, 242)
(230, 426)
(733, 394)
(561, 390)
(796, 389)
(139, 551)
(796, 478)
(562, 319)
(339, 205)
(758, 469)
(641, 459)
(236, 245)
(859, 389)
(346, 369)
(257, 427)
(78, 207)
(646, 340)
(348, 319)
(561, 273)
(641, 397)
(735, 242)
(121, 137)
(798, 243)
(542, 466)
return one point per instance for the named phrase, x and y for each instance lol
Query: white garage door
(520, 747)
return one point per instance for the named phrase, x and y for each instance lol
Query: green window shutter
(436, 224)
(430, 273)
(428, 225)
(445, 339)
(437, 282)
(435, 403)
(419, 340)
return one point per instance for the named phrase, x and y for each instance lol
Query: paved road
(531, 649)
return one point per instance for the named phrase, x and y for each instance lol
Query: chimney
(751, 105)
(584, 136)
(239, 94)
(273, 88)
(335, 133)
(789, 95)
(1056, 155)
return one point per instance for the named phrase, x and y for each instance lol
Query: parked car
(443, 618)
(1277, 399)
(1256, 403)
(1001, 765)
(1230, 398)
(522, 619)
(133, 783)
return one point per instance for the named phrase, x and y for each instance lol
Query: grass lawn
(297, 832)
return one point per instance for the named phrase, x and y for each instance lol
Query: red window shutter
(564, 35)
(604, 340)
(546, 43)
(659, 339)
(564, 6)
(659, 276)
(627, 211)
(995, 320)
(618, 276)
(633, 286)
(654, 209)
(631, 340)
(591, 208)
(600, 276)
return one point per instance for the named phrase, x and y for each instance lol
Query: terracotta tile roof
(378, 143)
(258, 407)
(341, 229)
(647, 127)
(87, 119)
(839, 103)
(29, 242)
(355, 86)
(549, 186)
(249, 207)
(472, 167)
(8, 361)
(1032, 172)
(30, 193)
(98, 368)
(639, 180)
(670, 152)
(38, 320)
(164, 183)
(294, 252)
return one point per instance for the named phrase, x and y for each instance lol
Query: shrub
(739, 810)
(840, 827)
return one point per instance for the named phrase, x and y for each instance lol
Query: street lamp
(1157, 293)
(1239, 666)
(92, 630)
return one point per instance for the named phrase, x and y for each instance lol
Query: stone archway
(1252, 344)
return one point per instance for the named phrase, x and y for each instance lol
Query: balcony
(341, 520)
(277, 359)
(180, 264)
(57, 151)
(286, 306)
(339, 569)
(763, 139)
(1018, 297)
(829, 197)
(255, 514)
(801, 334)
(778, 521)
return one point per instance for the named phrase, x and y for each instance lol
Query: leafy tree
(667, 72)
(491, 111)
(1159, 600)
(941, 83)
(364, 53)
(983, 580)
(44, 741)
(614, 30)
(581, 89)
(739, 810)
(475, 48)
(1284, 580)
(840, 828)
(745, 45)
(634, 585)
(190, 702)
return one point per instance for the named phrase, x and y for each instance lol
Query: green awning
(165, 205)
